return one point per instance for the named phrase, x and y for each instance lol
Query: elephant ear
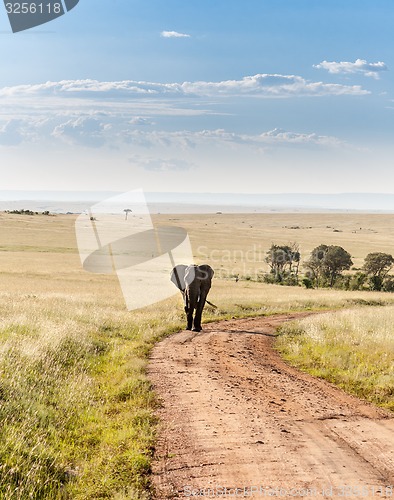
(211, 272)
(178, 276)
(191, 274)
(205, 272)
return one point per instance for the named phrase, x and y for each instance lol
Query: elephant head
(194, 282)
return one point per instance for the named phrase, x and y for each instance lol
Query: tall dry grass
(352, 348)
(77, 411)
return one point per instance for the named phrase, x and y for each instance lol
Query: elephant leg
(189, 317)
(199, 310)
(191, 305)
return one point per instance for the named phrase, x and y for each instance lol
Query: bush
(342, 283)
(307, 283)
(357, 281)
(22, 211)
(388, 285)
(375, 283)
(287, 279)
(290, 280)
(268, 278)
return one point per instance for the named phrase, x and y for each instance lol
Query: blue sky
(218, 96)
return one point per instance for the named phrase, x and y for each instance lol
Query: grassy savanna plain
(77, 410)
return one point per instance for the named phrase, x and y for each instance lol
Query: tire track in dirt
(235, 415)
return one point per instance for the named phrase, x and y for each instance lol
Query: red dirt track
(237, 421)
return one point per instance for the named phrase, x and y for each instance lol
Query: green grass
(354, 349)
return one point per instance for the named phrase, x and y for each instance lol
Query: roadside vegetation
(325, 269)
(354, 349)
(77, 408)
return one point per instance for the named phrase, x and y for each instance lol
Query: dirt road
(239, 422)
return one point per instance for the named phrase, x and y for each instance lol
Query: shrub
(389, 284)
(307, 283)
(357, 281)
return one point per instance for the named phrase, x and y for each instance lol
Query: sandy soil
(237, 421)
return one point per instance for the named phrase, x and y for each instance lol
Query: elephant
(194, 282)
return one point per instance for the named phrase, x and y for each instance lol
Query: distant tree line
(27, 212)
(325, 268)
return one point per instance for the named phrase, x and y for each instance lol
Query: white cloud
(126, 114)
(271, 85)
(12, 133)
(281, 136)
(260, 85)
(162, 165)
(187, 140)
(121, 133)
(173, 34)
(82, 131)
(359, 66)
(139, 120)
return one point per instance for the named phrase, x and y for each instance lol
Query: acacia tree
(315, 264)
(336, 260)
(328, 262)
(377, 265)
(127, 211)
(283, 259)
(295, 259)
